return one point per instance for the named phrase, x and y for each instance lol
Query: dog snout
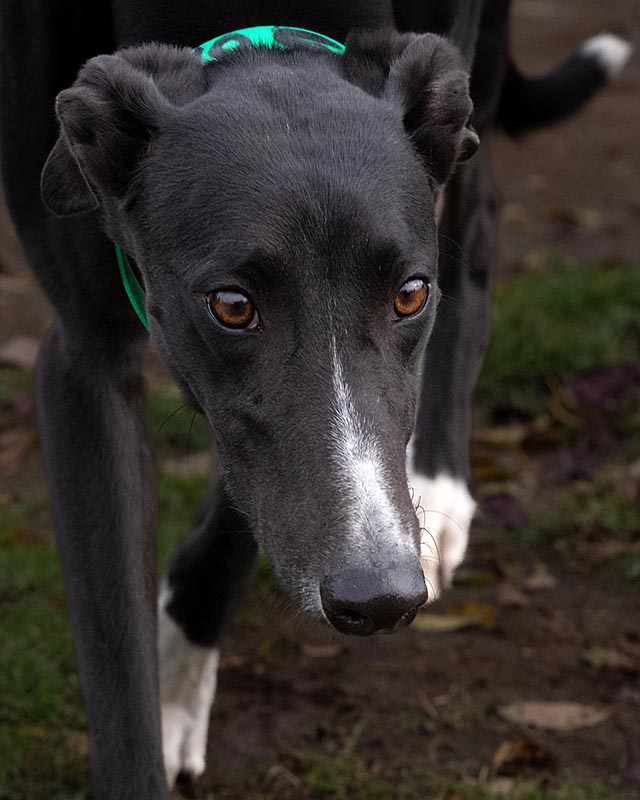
(362, 601)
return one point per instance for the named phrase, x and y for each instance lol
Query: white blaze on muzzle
(367, 501)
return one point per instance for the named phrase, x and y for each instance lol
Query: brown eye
(232, 309)
(411, 298)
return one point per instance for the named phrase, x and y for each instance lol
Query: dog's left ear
(422, 73)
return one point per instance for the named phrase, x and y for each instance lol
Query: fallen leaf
(20, 352)
(510, 596)
(605, 550)
(587, 218)
(14, 446)
(555, 716)
(441, 623)
(501, 436)
(515, 754)
(316, 650)
(501, 787)
(514, 215)
(608, 658)
(467, 615)
(540, 578)
(278, 773)
(78, 743)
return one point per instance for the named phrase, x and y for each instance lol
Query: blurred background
(523, 681)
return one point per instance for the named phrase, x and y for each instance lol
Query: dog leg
(207, 576)
(438, 458)
(92, 419)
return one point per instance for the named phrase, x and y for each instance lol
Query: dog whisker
(157, 432)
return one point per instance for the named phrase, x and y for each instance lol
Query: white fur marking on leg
(610, 51)
(445, 510)
(188, 675)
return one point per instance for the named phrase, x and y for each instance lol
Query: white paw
(188, 676)
(610, 51)
(445, 509)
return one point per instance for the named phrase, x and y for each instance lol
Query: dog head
(280, 208)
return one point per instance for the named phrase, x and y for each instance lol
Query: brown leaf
(587, 218)
(20, 352)
(510, 596)
(608, 658)
(502, 436)
(515, 754)
(555, 716)
(605, 550)
(501, 787)
(540, 578)
(14, 446)
(318, 650)
(78, 743)
(428, 622)
(467, 615)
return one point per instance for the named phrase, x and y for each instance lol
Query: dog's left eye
(232, 309)
(411, 297)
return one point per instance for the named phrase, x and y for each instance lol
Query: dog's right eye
(232, 309)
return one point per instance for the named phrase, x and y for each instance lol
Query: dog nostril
(406, 619)
(352, 617)
(352, 622)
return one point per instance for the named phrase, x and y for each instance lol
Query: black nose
(361, 601)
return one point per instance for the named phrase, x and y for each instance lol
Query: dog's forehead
(276, 167)
(275, 123)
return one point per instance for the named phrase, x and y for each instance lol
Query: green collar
(274, 37)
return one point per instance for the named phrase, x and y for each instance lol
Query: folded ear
(107, 120)
(423, 74)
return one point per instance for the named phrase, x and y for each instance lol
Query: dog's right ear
(424, 76)
(108, 119)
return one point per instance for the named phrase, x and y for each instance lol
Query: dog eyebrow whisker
(456, 244)
(193, 419)
(169, 417)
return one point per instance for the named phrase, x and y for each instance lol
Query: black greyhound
(294, 213)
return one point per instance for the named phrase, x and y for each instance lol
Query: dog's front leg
(206, 578)
(438, 457)
(91, 413)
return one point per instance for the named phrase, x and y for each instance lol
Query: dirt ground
(422, 714)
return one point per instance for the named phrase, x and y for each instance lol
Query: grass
(527, 790)
(38, 681)
(41, 716)
(12, 381)
(547, 327)
(591, 510)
